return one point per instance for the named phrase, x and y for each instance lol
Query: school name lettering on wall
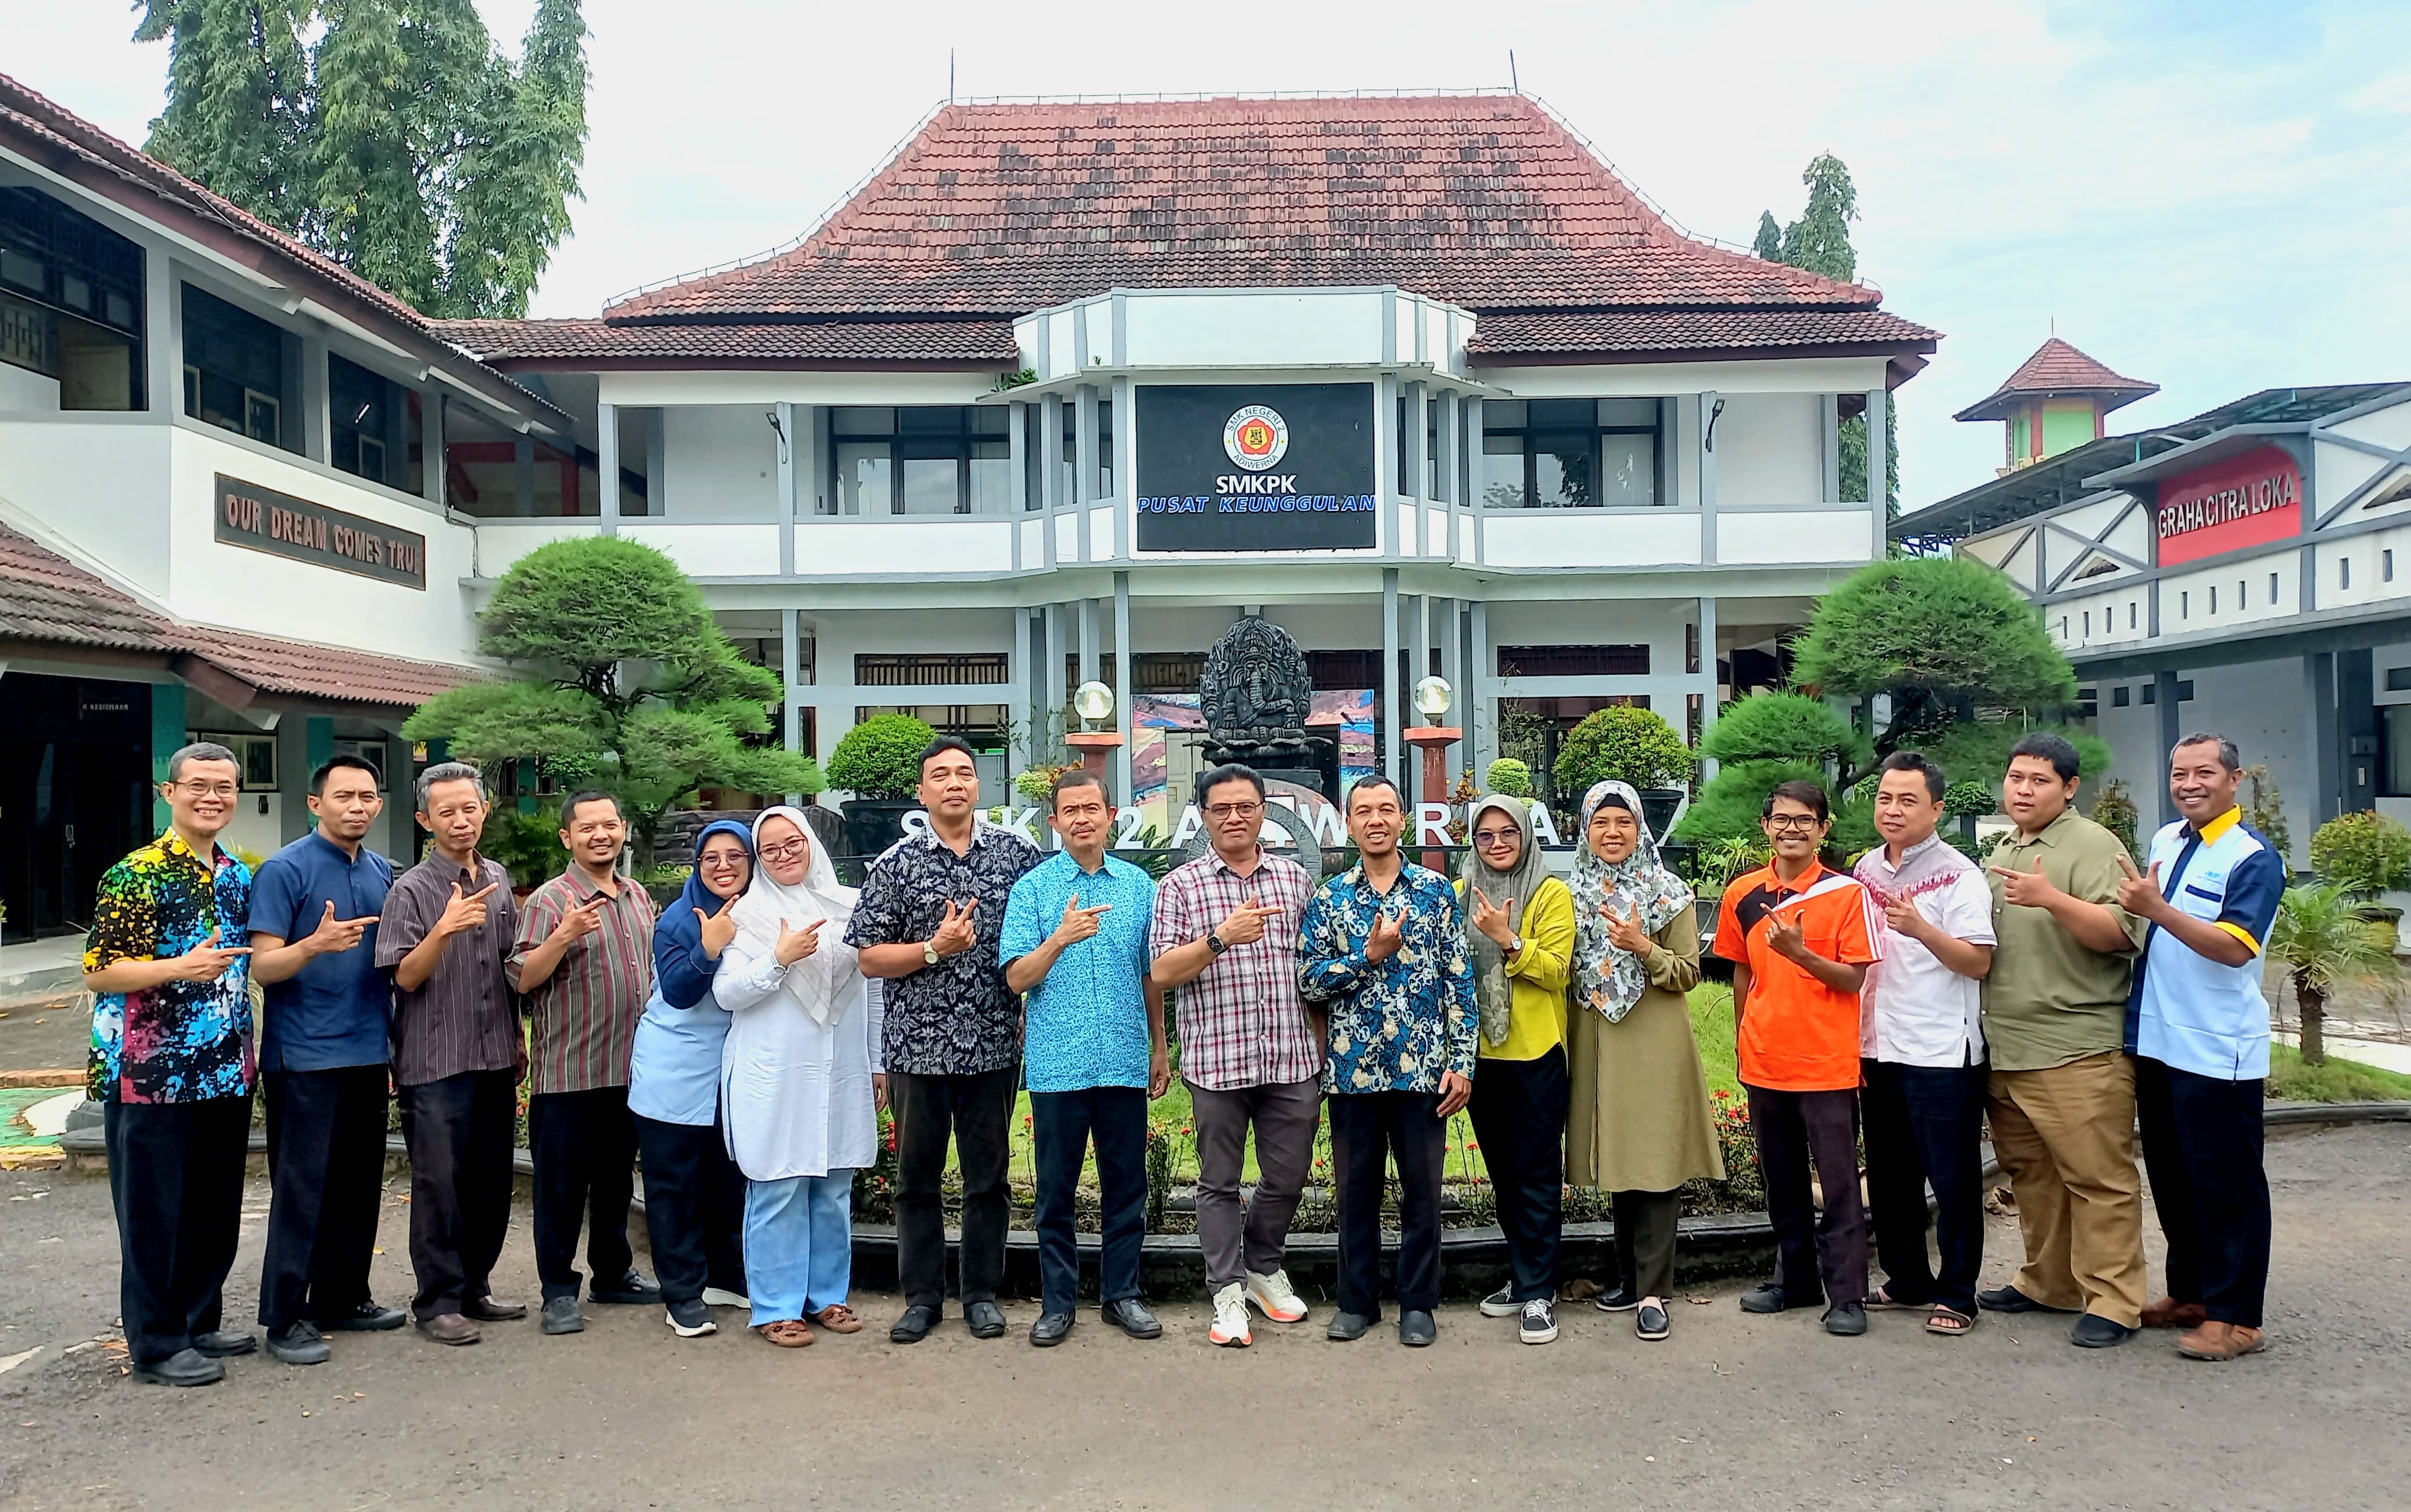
(2246, 501)
(281, 525)
(1255, 467)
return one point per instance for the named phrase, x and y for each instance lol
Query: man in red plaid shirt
(1226, 939)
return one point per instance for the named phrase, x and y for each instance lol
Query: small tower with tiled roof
(2058, 400)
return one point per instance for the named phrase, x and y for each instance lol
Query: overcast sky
(2208, 195)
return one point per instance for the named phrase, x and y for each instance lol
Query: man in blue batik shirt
(1383, 951)
(1075, 941)
(2198, 1031)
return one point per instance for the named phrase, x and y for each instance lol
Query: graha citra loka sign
(281, 525)
(2245, 501)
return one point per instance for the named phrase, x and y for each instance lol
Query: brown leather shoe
(2219, 1342)
(449, 1328)
(493, 1309)
(2169, 1313)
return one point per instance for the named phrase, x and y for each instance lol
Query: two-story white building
(1064, 388)
(2235, 572)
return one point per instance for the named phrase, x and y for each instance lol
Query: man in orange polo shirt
(1800, 936)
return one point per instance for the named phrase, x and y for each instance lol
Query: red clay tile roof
(2058, 367)
(1642, 332)
(1483, 200)
(987, 342)
(44, 597)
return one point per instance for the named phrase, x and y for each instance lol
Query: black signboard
(1255, 467)
(263, 519)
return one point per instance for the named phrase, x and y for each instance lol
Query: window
(2398, 679)
(2121, 696)
(2184, 606)
(2088, 623)
(2131, 614)
(2273, 590)
(931, 459)
(1569, 454)
(256, 756)
(2151, 693)
(1429, 486)
(2243, 594)
(234, 371)
(376, 426)
(70, 302)
(2395, 727)
(2214, 597)
(2343, 571)
(2386, 565)
(929, 670)
(1574, 661)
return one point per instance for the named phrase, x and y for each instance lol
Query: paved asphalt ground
(1735, 1411)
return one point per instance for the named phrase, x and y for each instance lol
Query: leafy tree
(1769, 243)
(1631, 744)
(1945, 638)
(626, 682)
(1510, 778)
(389, 135)
(1761, 742)
(880, 757)
(1820, 242)
(2324, 941)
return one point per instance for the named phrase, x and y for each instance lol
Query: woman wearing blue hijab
(695, 1195)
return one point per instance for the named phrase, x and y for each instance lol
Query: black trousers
(326, 1170)
(1815, 1253)
(976, 1111)
(175, 1177)
(2202, 1141)
(1646, 1226)
(695, 1208)
(1367, 1130)
(584, 1148)
(460, 1131)
(1061, 1125)
(1519, 1117)
(1926, 1123)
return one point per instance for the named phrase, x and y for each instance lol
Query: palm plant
(2324, 943)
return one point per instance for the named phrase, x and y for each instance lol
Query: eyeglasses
(724, 859)
(1802, 823)
(206, 790)
(1232, 810)
(795, 849)
(1489, 839)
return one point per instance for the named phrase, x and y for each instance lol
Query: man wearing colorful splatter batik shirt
(171, 1066)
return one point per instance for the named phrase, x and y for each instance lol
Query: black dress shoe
(1130, 1315)
(630, 1289)
(186, 1367)
(1770, 1297)
(1346, 1328)
(219, 1346)
(2094, 1331)
(2010, 1300)
(297, 1344)
(1846, 1320)
(1050, 1329)
(1617, 1298)
(914, 1325)
(492, 1309)
(1416, 1327)
(368, 1317)
(985, 1319)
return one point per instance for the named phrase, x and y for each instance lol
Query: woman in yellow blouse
(1519, 930)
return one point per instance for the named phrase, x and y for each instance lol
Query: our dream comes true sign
(281, 525)
(1255, 467)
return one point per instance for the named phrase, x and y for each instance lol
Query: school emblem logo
(1255, 437)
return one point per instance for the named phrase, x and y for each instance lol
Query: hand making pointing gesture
(1624, 930)
(795, 944)
(1493, 921)
(334, 935)
(1079, 924)
(581, 920)
(2139, 894)
(1901, 913)
(1245, 924)
(462, 913)
(2026, 889)
(955, 932)
(1383, 941)
(718, 928)
(207, 961)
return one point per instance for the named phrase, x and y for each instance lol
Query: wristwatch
(1514, 945)
(1214, 942)
(930, 953)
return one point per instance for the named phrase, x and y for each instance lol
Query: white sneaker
(1274, 1296)
(1501, 1303)
(1230, 1318)
(721, 1297)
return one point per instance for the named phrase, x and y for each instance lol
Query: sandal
(838, 1318)
(787, 1332)
(1948, 1321)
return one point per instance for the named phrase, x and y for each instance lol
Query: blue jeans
(1061, 1125)
(799, 1244)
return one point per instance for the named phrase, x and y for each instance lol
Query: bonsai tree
(1764, 740)
(2115, 812)
(1944, 636)
(623, 682)
(880, 759)
(1510, 777)
(2364, 853)
(2323, 942)
(1978, 751)
(1623, 742)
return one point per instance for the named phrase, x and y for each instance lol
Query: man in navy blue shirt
(322, 1048)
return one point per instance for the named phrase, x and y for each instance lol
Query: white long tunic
(796, 1094)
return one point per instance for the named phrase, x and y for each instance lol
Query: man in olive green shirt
(2061, 1096)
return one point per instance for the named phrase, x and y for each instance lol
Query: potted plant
(2365, 854)
(1510, 778)
(1632, 745)
(879, 762)
(2323, 941)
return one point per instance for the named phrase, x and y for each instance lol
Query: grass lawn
(2332, 1079)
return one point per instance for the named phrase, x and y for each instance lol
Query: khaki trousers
(2066, 1137)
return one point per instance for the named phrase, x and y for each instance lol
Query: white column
(1122, 686)
(788, 448)
(1876, 447)
(606, 467)
(1707, 616)
(791, 669)
(1392, 741)
(431, 451)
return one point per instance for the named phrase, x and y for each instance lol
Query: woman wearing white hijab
(1638, 1126)
(798, 1079)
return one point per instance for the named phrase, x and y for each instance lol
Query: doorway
(75, 794)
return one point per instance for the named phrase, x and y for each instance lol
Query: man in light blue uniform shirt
(2198, 1031)
(1075, 941)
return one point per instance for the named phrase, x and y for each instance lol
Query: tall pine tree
(390, 134)
(1820, 242)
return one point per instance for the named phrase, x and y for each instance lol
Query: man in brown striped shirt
(584, 959)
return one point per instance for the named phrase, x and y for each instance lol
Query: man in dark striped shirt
(584, 959)
(447, 926)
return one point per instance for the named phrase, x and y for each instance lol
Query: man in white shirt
(1924, 1048)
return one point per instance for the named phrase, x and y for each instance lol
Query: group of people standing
(743, 1041)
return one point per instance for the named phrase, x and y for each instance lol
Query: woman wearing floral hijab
(1640, 1126)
